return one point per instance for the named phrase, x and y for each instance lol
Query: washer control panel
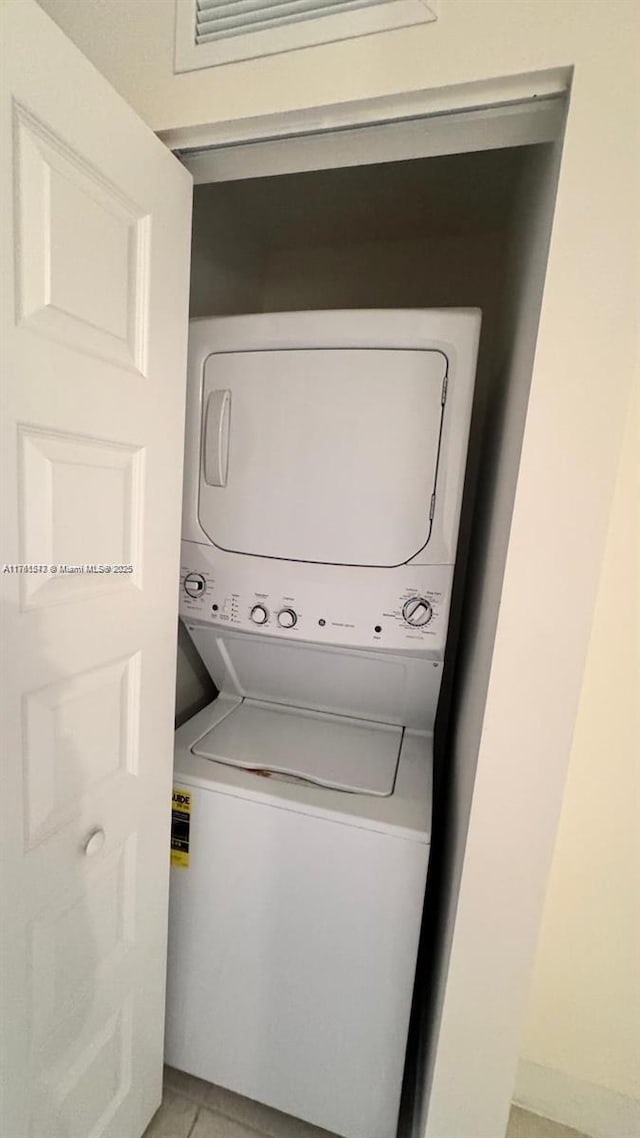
(399, 608)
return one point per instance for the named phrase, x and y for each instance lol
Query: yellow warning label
(180, 826)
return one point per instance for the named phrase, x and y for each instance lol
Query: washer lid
(329, 750)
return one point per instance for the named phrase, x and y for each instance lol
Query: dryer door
(322, 455)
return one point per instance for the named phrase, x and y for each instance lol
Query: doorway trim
(513, 111)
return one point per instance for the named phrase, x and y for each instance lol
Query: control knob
(259, 614)
(194, 584)
(417, 612)
(287, 618)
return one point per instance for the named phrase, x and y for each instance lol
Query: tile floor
(192, 1108)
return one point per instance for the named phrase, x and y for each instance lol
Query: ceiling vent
(213, 32)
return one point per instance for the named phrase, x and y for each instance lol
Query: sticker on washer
(180, 826)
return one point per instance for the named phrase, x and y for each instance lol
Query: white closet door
(95, 249)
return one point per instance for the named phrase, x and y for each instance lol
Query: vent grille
(222, 19)
(214, 32)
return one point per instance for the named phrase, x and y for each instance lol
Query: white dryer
(324, 468)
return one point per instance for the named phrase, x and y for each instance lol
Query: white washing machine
(324, 468)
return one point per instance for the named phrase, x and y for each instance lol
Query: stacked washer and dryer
(325, 459)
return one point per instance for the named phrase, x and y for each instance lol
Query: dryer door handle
(216, 438)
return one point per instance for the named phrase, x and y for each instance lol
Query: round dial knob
(194, 584)
(287, 618)
(417, 611)
(259, 614)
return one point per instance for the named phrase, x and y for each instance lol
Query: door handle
(94, 841)
(216, 438)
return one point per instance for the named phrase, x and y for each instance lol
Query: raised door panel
(81, 505)
(78, 733)
(95, 237)
(75, 942)
(84, 1090)
(83, 251)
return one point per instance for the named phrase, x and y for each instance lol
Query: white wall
(581, 1044)
(226, 258)
(132, 43)
(511, 777)
(584, 359)
(194, 686)
(419, 272)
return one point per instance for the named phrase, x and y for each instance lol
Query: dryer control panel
(404, 608)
